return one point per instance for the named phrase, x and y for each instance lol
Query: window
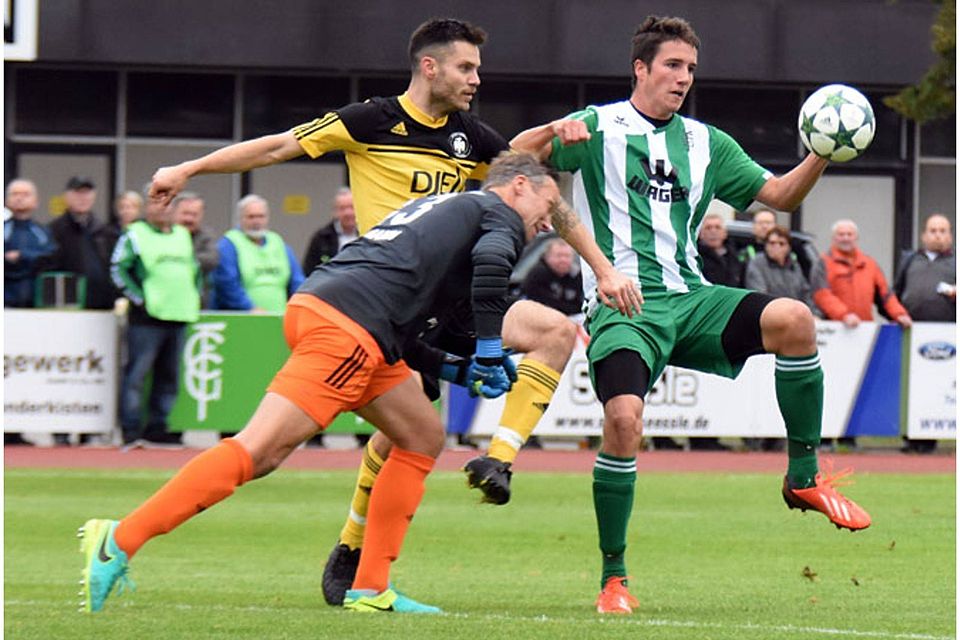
(381, 87)
(276, 103)
(510, 106)
(886, 142)
(180, 105)
(763, 121)
(66, 102)
(604, 93)
(938, 138)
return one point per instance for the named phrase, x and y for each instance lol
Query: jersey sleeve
(334, 131)
(489, 145)
(739, 177)
(569, 158)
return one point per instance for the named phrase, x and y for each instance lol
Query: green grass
(712, 556)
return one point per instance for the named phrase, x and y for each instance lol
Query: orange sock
(201, 483)
(393, 501)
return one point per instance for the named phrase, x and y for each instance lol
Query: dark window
(512, 106)
(886, 142)
(604, 93)
(381, 87)
(276, 103)
(763, 121)
(938, 138)
(66, 102)
(180, 105)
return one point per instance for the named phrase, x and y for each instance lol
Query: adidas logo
(399, 129)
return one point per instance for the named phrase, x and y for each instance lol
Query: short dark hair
(654, 31)
(442, 31)
(778, 231)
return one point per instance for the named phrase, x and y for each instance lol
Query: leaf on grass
(813, 600)
(809, 574)
(854, 580)
(893, 543)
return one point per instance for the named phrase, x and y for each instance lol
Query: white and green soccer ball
(836, 122)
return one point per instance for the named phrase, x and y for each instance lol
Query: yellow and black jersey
(395, 152)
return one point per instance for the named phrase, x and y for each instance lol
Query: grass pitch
(712, 556)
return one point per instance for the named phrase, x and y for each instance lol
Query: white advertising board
(59, 371)
(932, 386)
(690, 403)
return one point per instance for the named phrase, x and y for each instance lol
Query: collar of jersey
(414, 112)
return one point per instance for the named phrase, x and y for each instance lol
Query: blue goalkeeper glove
(489, 376)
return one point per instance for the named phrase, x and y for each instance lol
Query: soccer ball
(836, 122)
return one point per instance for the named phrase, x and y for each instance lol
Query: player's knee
(623, 423)
(789, 326)
(558, 341)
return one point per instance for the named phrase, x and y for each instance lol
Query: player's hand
(619, 292)
(488, 380)
(570, 131)
(167, 183)
(905, 321)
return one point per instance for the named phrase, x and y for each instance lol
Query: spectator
(155, 268)
(257, 270)
(763, 221)
(847, 285)
(927, 280)
(853, 282)
(126, 209)
(721, 265)
(330, 238)
(188, 210)
(553, 280)
(84, 243)
(776, 271)
(927, 286)
(27, 246)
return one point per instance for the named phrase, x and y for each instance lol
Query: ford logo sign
(937, 350)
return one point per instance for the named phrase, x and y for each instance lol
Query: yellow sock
(352, 532)
(526, 402)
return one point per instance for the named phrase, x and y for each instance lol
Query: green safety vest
(264, 269)
(170, 272)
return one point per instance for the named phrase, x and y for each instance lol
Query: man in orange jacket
(853, 282)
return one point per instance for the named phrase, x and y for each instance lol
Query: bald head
(845, 235)
(937, 235)
(21, 198)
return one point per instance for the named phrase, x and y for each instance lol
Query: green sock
(613, 482)
(799, 383)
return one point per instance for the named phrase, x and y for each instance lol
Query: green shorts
(681, 329)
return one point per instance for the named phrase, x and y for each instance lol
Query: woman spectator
(126, 209)
(776, 271)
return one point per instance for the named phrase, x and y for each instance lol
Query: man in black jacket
(84, 243)
(328, 240)
(720, 262)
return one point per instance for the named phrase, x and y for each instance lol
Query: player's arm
(613, 288)
(786, 192)
(537, 140)
(236, 158)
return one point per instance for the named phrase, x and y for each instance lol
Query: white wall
(867, 200)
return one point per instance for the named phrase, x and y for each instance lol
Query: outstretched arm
(236, 158)
(786, 192)
(614, 288)
(537, 140)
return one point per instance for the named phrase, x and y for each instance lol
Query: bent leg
(275, 429)
(546, 337)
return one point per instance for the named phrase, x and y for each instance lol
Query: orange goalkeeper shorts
(335, 364)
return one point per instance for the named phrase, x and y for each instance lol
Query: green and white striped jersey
(643, 191)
